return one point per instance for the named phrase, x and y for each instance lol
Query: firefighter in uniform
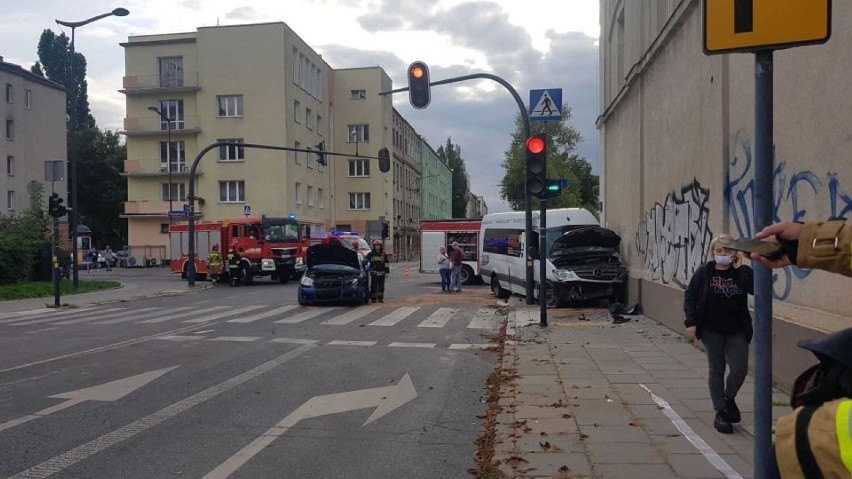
(234, 266)
(377, 261)
(214, 264)
(815, 440)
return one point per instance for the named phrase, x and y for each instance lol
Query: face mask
(724, 259)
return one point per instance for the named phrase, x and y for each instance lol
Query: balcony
(150, 125)
(138, 85)
(153, 168)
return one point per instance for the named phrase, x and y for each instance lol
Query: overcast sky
(531, 44)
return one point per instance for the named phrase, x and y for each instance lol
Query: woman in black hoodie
(716, 306)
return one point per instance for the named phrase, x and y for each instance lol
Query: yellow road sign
(750, 25)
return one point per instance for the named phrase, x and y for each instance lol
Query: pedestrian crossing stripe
(394, 317)
(336, 342)
(265, 314)
(350, 316)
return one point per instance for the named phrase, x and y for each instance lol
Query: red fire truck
(437, 233)
(267, 246)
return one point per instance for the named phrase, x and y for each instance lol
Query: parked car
(334, 274)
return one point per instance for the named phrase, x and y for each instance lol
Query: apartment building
(677, 134)
(257, 84)
(405, 164)
(436, 184)
(32, 111)
(476, 207)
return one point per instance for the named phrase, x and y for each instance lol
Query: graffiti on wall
(792, 190)
(674, 237)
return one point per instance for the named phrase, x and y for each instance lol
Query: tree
(20, 239)
(451, 154)
(562, 139)
(53, 54)
(102, 188)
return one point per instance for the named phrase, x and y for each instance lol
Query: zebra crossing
(279, 314)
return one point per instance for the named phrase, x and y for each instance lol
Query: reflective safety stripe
(843, 422)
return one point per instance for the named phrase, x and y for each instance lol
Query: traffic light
(536, 149)
(384, 160)
(51, 204)
(385, 230)
(418, 85)
(554, 188)
(321, 153)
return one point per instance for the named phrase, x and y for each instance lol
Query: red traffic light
(535, 145)
(417, 71)
(419, 94)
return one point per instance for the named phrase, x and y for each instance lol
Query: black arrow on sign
(743, 16)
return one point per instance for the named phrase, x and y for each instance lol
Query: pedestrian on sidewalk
(109, 258)
(716, 307)
(444, 269)
(457, 258)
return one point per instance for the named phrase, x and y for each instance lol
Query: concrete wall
(677, 148)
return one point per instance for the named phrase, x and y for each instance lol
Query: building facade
(677, 131)
(33, 116)
(435, 184)
(405, 166)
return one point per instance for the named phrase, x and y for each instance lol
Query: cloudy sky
(531, 44)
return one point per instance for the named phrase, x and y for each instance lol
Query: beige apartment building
(677, 149)
(261, 84)
(33, 116)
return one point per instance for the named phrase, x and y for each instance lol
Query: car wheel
(366, 297)
(552, 298)
(466, 275)
(498, 291)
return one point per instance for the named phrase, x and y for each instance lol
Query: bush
(20, 239)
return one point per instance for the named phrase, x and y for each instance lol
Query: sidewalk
(589, 398)
(135, 283)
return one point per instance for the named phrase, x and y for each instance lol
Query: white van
(582, 258)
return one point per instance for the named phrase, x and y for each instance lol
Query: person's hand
(737, 260)
(690, 333)
(771, 263)
(787, 230)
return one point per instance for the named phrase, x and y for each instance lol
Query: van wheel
(553, 298)
(498, 291)
(466, 275)
(248, 279)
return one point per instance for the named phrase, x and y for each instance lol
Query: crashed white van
(582, 257)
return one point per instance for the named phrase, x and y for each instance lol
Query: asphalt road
(245, 383)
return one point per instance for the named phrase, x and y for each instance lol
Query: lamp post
(165, 117)
(75, 208)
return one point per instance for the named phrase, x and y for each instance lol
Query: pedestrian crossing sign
(546, 104)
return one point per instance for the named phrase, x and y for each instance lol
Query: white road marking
(224, 314)
(50, 319)
(708, 452)
(304, 316)
(470, 346)
(41, 330)
(205, 331)
(438, 319)
(238, 339)
(180, 338)
(485, 321)
(41, 313)
(395, 317)
(99, 317)
(69, 458)
(411, 345)
(163, 319)
(351, 343)
(133, 317)
(293, 341)
(265, 314)
(347, 318)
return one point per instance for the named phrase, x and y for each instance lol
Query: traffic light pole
(54, 261)
(542, 262)
(530, 276)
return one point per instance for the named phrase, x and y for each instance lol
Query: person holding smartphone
(716, 307)
(825, 245)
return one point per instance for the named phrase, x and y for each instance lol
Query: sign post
(762, 26)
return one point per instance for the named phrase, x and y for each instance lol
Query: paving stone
(575, 383)
(629, 378)
(625, 453)
(659, 426)
(549, 464)
(645, 410)
(741, 463)
(608, 434)
(691, 393)
(539, 412)
(683, 383)
(536, 379)
(661, 359)
(570, 372)
(670, 366)
(633, 471)
(673, 445)
(673, 373)
(693, 466)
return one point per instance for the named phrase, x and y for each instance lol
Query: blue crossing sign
(546, 104)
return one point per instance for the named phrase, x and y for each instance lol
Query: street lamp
(75, 208)
(165, 117)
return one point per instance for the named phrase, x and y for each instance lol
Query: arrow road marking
(384, 399)
(111, 391)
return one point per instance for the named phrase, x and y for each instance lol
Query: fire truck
(437, 233)
(267, 246)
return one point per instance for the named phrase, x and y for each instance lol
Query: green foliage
(40, 289)
(20, 238)
(451, 154)
(562, 139)
(102, 188)
(54, 53)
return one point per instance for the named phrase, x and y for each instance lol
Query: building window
(296, 117)
(171, 71)
(173, 154)
(28, 99)
(320, 198)
(359, 201)
(297, 144)
(10, 129)
(359, 94)
(310, 195)
(358, 133)
(10, 165)
(173, 110)
(309, 121)
(319, 125)
(232, 191)
(359, 167)
(164, 228)
(10, 200)
(10, 94)
(298, 193)
(177, 192)
(231, 152)
(230, 105)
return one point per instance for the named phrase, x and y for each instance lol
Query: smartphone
(768, 249)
